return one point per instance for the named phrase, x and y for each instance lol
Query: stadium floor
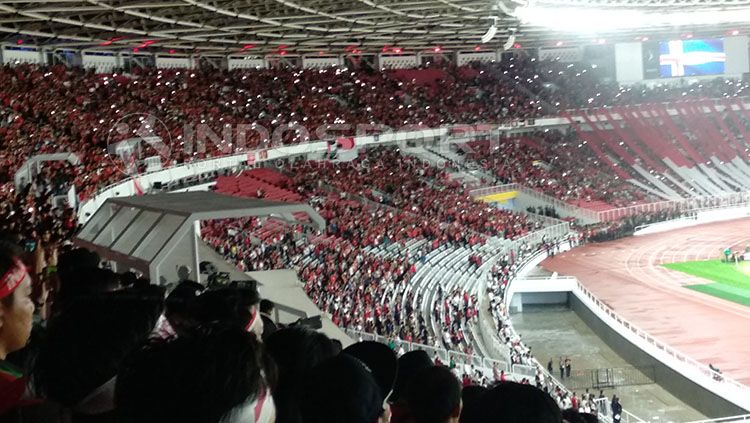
(628, 276)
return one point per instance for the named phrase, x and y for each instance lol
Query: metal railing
(610, 377)
(604, 412)
(742, 418)
(710, 377)
(445, 355)
(559, 205)
(685, 205)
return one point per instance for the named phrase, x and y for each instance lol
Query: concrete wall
(683, 388)
(522, 299)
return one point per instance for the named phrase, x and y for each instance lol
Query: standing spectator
(266, 310)
(562, 368)
(16, 311)
(567, 366)
(434, 396)
(342, 390)
(296, 351)
(616, 409)
(219, 374)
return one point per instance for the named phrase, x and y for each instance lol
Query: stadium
(372, 211)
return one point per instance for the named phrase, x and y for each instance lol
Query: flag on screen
(691, 57)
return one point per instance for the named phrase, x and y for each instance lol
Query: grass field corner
(728, 281)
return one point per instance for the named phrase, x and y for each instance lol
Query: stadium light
(589, 20)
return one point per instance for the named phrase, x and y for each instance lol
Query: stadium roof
(340, 26)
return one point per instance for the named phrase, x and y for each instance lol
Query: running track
(626, 275)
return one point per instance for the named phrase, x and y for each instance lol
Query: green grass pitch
(724, 280)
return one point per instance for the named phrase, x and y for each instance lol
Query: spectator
(231, 305)
(16, 311)
(220, 374)
(434, 396)
(85, 344)
(266, 313)
(296, 351)
(342, 390)
(380, 360)
(470, 398)
(516, 403)
(616, 409)
(409, 364)
(177, 319)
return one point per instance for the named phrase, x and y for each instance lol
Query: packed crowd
(557, 164)
(347, 270)
(387, 176)
(82, 109)
(108, 347)
(80, 343)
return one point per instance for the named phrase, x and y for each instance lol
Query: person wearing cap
(16, 314)
(434, 396)
(235, 305)
(342, 390)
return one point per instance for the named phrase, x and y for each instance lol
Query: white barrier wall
(629, 62)
(16, 55)
(245, 63)
(562, 54)
(313, 62)
(476, 56)
(399, 62)
(101, 62)
(164, 62)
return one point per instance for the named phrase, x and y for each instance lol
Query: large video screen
(691, 58)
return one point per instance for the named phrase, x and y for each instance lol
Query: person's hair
(8, 252)
(408, 365)
(74, 260)
(193, 379)
(181, 298)
(512, 402)
(340, 390)
(86, 342)
(573, 416)
(266, 306)
(433, 394)
(86, 281)
(296, 351)
(225, 305)
(470, 396)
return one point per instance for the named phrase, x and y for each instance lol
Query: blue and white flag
(692, 57)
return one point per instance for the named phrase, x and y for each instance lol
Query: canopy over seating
(159, 234)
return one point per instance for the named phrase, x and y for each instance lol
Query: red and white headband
(12, 278)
